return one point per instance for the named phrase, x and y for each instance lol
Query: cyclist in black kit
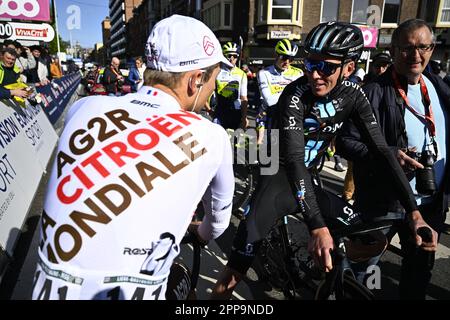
(312, 110)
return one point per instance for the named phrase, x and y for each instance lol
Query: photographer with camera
(412, 107)
(113, 78)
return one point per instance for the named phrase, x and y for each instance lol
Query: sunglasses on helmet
(324, 68)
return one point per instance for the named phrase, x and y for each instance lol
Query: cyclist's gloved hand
(415, 222)
(320, 245)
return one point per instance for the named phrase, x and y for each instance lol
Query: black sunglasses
(324, 68)
(232, 56)
(285, 57)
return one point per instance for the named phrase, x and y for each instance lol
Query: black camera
(425, 178)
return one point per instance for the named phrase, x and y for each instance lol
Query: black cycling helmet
(337, 39)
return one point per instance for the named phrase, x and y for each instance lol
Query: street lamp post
(56, 26)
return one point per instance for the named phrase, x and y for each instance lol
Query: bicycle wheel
(271, 267)
(287, 269)
(352, 290)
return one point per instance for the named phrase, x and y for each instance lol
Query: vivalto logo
(14, 8)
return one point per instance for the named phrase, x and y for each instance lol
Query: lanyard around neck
(428, 117)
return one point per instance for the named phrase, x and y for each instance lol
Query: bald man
(113, 78)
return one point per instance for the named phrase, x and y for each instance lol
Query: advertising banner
(370, 35)
(56, 96)
(27, 31)
(38, 10)
(22, 148)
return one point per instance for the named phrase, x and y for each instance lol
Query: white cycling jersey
(128, 175)
(271, 83)
(232, 84)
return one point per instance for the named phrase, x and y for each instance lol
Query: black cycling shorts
(273, 199)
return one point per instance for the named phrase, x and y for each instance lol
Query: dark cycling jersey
(308, 124)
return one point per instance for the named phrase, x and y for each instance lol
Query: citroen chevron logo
(208, 46)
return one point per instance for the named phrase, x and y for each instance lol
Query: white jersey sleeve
(218, 198)
(264, 87)
(243, 87)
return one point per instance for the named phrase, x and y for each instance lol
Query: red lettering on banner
(31, 32)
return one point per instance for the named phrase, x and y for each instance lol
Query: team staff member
(129, 173)
(231, 92)
(272, 80)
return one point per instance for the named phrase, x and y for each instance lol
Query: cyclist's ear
(195, 80)
(349, 68)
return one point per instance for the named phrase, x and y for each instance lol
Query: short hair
(171, 79)
(11, 51)
(409, 26)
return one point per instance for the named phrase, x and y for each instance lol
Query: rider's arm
(218, 198)
(349, 142)
(292, 148)
(367, 124)
(264, 89)
(243, 97)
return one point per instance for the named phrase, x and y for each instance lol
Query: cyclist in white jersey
(231, 92)
(272, 80)
(129, 173)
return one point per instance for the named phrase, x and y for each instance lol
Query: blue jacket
(133, 77)
(375, 194)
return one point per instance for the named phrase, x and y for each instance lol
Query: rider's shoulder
(269, 69)
(298, 87)
(238, 71)
(351, 87)
(295, 70)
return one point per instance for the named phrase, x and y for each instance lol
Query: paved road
(18, 285)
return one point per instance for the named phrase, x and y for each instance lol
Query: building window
(428, 10)
(445, 15)
(227, 12)
(218, 15)
(282, 9)
(329, 10)
(262, 10)
(212, 16)
(391, 12)
(359, 11)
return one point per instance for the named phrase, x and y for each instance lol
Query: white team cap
(180, 44)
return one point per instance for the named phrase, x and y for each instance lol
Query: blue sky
(92, 12)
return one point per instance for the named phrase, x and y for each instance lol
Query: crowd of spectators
(22, 68)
